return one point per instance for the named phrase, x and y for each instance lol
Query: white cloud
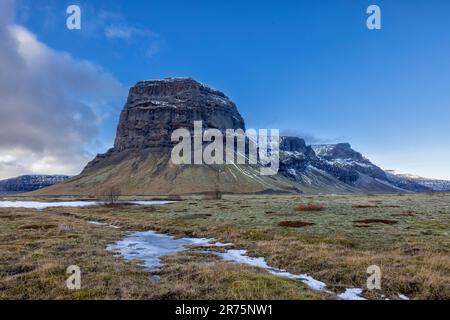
(127, 32)
(51, 103)
(116, 28)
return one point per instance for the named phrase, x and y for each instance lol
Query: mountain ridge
(139, 162)
(27, 183)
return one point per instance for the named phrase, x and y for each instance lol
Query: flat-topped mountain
(140, 163)
(156, 108)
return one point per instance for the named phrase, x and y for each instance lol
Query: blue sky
(310, 68)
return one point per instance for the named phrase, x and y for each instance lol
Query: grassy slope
(152, 173)
(413, 254)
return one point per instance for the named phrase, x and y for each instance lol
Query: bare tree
(110, 196)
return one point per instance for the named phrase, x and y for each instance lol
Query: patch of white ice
(352, 294)
(97, 223)
(150, 246)
(43, 205)
(239, 256)
(103, 224)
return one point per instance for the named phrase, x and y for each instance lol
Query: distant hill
(29, 183)
(426, 184)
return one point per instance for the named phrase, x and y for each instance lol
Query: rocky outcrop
(345, 163)
(29, 183)
(155, 109)
(295, 156)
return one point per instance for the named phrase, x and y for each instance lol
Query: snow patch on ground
(240, 256)
(352, 294)
(150, 246)
(96, 223)
(45, 205)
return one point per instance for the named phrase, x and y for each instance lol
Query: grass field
(331, 237)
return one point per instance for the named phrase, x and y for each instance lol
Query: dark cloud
(51, 104)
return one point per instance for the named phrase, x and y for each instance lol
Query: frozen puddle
(44, 205)
(150, 246)
(240, 256)
(351, 294)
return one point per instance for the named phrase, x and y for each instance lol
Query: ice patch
(43, 205)
(96, 223)
(352, 294)
(150, 246)
(239, 256)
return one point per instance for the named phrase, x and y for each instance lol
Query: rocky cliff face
(345, 163)
(155, 109)
(295, 156)
(29, 183)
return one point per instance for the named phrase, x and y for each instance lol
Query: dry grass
(414, 254)
(34, 257)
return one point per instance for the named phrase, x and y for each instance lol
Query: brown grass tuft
(404, 214)
(37, 226)
(310, 207)
(363, 206)
(295, 224)
(370, 221)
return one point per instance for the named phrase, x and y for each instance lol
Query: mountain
(420, 184)
(352, 168)
(140, 161)
(298, 162)
(342, 166)
(29, 183)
